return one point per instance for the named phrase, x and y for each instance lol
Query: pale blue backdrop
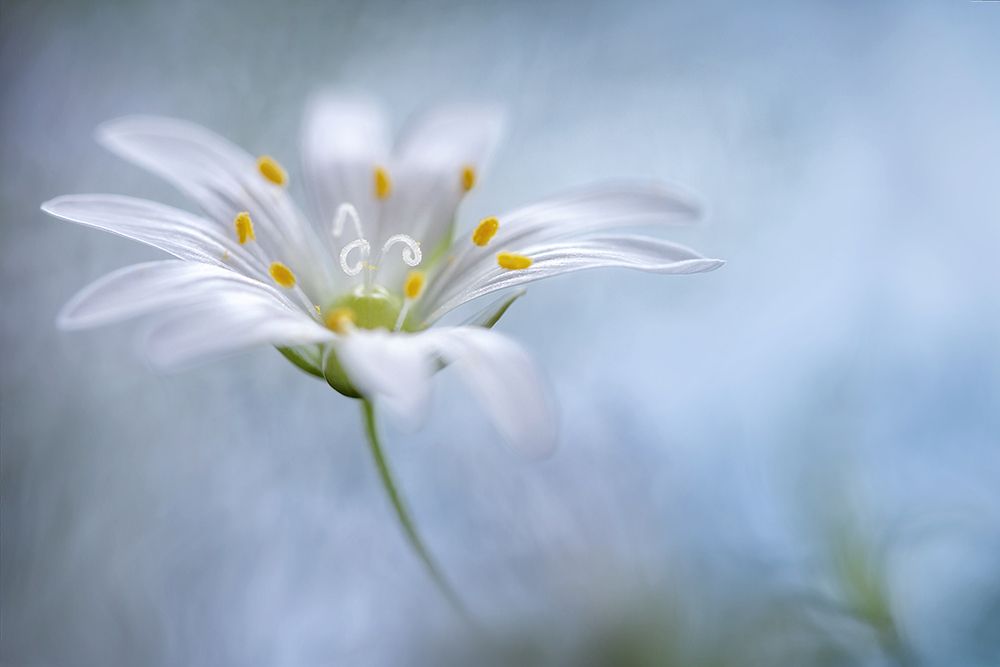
(723, 436)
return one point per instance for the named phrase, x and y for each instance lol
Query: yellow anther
(414, 284)
(508, 260)
(340, 320)
(318, 310)
(485, 230)
(383, 185)
(244, 227)
(271, 170)
(468, 177)
(282, 275)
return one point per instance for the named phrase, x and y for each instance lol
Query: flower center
(373, 307)
(346, 213)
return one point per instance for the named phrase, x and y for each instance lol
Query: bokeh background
(793, 460)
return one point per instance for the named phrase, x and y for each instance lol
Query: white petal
(575, 215)
(430, 157)
(222, 326)
(343, 140)
(633, 252)
(422, 206)
(396, 368)
(221, 177)
(154, 287)
(172, 230)
(503, 376)
(452, 138)
(224, 180)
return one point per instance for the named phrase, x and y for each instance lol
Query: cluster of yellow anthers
(341, 319)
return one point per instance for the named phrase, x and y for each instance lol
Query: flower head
(353, 291)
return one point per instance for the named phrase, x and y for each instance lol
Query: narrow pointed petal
(452, 138)
(422, 207)
(395, 368)
(155, 287)
(221, 327)
(431, 160)
(172, 230)
(223, 180)
(218, 175)
(343, 140)
(576, 215)
(505, 380)
(632, 252)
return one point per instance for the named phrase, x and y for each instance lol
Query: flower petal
(504, 378)
(224, 180)
(396, 369)
(431, 156)
(227, 324)
(422, 207)
(154, 287)
(172, 230)
(550, 259)
(343, 140)
(578, 214)
(451, 138)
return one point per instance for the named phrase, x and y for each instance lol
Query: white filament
(344, 213)
(411, 253)
(360, 264)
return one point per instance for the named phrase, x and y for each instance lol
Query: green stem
(409, 529)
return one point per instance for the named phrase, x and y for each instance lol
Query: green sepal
(336, 376)
(488, 318)
(294, 355)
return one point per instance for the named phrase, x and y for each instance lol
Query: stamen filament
(403, 312)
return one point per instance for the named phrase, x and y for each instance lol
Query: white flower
(353, 291)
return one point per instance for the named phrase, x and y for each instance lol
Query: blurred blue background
(792, 460)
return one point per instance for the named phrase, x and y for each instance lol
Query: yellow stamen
(244, 227)
(414, 284)
(339, 320)
(282, 275)
(271, 170)
(509, 260)
(485, 230)
(383, 185)
(318, 311)
(468, 177)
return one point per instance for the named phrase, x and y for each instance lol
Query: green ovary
(373, 308)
